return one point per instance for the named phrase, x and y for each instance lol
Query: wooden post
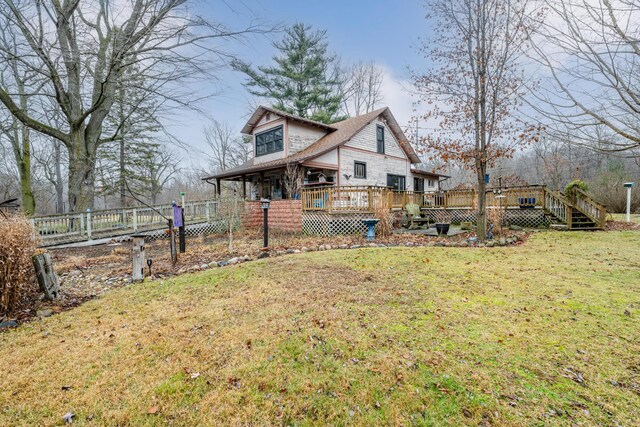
(172, 243)
(207, 209)
(88, 224)
(569, 217)
(135, 220)
(218, 189)
(244, 187)
(138, 258)
(47, 278)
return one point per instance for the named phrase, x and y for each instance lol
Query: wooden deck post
(218, 189)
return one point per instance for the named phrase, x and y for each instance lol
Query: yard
(544, 333)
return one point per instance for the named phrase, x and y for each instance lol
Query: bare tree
(475, 86)
(83, 49)
(226, 148)
(293, 179)
(592, 51)
(362, 88)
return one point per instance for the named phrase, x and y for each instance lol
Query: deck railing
(109, 222)
(345, 198)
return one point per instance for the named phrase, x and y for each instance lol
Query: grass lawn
(623, 217)
(546, 333)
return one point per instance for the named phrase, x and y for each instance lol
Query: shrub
(576, 183)
(570, 189)
(17, 277)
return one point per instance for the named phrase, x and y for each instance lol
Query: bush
(576, 183)
(570, 189)
(17, 277)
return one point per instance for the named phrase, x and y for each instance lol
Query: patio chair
(412, 217)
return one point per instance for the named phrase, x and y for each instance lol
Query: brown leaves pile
(17, 276)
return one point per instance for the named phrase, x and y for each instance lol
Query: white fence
(77, 227)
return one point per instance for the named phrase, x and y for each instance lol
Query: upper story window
(270, 141)
(380, 139)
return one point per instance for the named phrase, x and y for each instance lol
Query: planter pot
(442, 229)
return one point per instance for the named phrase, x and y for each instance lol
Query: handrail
(560, 207)
(595, 211)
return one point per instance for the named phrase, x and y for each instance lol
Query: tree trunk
(481, 168)
(21, 141)
(59, 183)
(121, 178)
(81, 174)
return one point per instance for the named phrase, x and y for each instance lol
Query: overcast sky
(385, 32)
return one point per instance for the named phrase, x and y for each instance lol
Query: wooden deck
(585, 213)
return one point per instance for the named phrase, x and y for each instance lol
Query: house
(367, 150)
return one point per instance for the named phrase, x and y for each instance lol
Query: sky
(384, 32)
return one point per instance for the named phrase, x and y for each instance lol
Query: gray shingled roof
(342, 132)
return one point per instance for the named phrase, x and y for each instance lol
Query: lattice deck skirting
(528, 218)
(331, 224)
(192, 230)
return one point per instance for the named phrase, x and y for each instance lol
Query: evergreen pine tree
(303, 81)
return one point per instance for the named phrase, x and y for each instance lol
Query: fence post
(124, 218)
(89, 224)
(81, 225)
(208, 212)
(569, 217)
(135, 220)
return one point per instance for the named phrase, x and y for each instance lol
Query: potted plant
(443, 221)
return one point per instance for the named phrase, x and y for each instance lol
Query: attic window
(270, 141)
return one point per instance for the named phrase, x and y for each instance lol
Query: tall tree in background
(82, 49)
(592, 50)
(361, 88)
(227, 149)
(475, 86)
(304, 78)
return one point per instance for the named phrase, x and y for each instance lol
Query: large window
(418, 184)
(359, 169)
(269, 142)
(380, 139)
(397, 182)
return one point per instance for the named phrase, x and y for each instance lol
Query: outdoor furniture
(371, 230)
(412, 217)
(527, 202)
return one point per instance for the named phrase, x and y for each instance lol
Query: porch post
(262, 193)
(244, 187)
(218, 189)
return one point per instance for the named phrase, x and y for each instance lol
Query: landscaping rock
(44, 313)
(381, 245)
(296, 251)
(502, 241)
(490, 244)
(439, 244)
(213, 264)
(262, 255)
(305, 249)
(181, 271)
(327, 247)
(515, 228)
(321, 248)
(355, 246)
(291, 251)
(464, 244)
(7, 324)
(222, 263)
(204, 266)
(234, 260)
(343, 247)
(247, 258)
(194, 268)
(75, 273)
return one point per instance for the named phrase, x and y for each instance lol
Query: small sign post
(178, 221)
(629, 186)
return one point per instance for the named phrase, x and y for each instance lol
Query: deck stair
(582, 214)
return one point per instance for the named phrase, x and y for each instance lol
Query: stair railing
(560, 207)
(592, 209)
